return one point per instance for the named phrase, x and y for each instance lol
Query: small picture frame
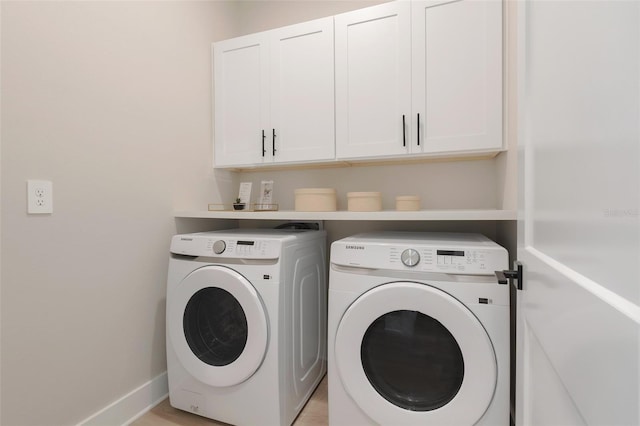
(265, 201)
(244, 194)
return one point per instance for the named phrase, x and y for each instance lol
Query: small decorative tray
(253, 207)
(258, 207)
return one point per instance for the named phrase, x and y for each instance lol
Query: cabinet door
(241, 92)
(302, 93)
(457, 75)
(373, 81)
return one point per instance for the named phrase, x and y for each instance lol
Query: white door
(457, 76)
(241, 93)
(217, 326)
(302, 93)
(373, 81)
(578, 345)
(410, 354)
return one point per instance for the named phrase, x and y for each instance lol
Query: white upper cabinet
(274, 96)
(302, 92)
(419, 78)
(403, 79)
(241, 99)
(373, 81)
(457, 75)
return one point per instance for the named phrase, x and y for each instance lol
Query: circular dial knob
(410, 257)
(219, 246)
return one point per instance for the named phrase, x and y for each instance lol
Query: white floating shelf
(347, 215)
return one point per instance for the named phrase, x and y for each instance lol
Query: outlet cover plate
(39, 196)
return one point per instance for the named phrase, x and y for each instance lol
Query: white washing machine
(418, 330)
(246, 323)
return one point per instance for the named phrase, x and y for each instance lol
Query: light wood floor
(313, 414)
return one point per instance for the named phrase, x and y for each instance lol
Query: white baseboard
(131, 406)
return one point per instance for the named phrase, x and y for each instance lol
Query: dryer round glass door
(217, 325)
(409, 353)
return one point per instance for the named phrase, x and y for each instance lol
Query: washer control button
(410, 257)
(219, 247)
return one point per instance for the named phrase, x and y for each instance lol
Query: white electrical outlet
(39, 196)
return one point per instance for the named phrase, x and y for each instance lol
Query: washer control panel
(225, 247)
(244, 248)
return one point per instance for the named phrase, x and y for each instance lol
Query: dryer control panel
(469, 254)
(468, 261)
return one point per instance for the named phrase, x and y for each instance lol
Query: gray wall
(260, 15)
(111, 101)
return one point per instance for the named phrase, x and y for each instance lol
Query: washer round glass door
(409, 353)
(217, 326)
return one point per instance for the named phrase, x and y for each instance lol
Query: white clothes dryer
(246, 323)
(418, 330)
